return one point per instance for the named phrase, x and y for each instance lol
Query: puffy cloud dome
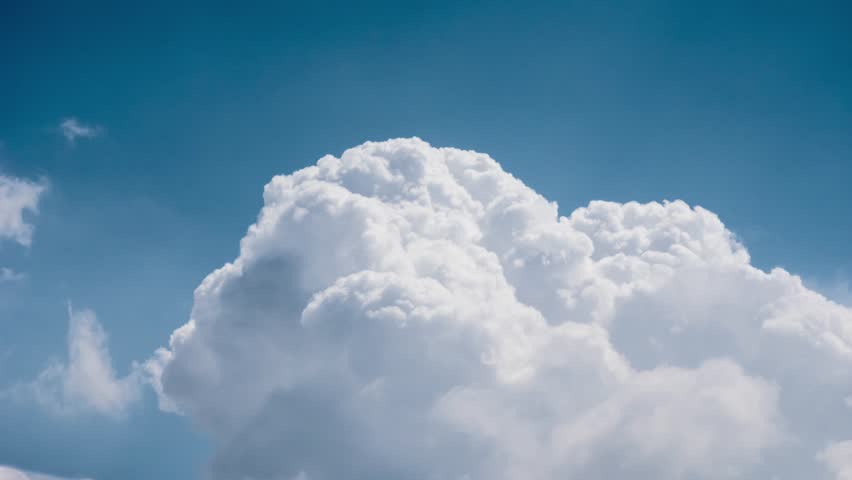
(406, 311)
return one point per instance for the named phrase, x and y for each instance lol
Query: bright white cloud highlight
(405, 311)
(72, 129)
(87, 382)
(17, 198)
(9, 473)
(837, 457)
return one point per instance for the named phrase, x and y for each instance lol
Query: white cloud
(9, 473)
(837, 457)
(405, 311)
(87, 382)
(18, 196)
(9, 275)
(72, 129)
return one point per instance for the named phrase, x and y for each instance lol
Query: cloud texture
(9, 473)
(18, 196)
(86, 382)
(9, 275)
(405, 311)
(72, 129)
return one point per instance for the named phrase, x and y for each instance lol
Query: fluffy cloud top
(18, 196)
(87, 382)
(9, 473)
(72, 129)
(405, 311)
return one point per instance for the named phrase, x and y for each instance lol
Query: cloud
(87, 382)
(9, 275)
(406, 311)
(18, 196)
(837, 289)
(9, 473)
(72, 129)
(837, 457)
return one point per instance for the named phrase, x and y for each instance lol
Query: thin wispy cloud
(10, 473)
(72, 129)
(9, 275)
(86, 382)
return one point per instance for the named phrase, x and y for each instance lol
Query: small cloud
(16, 197)
(9, 275)
(837, 459)
(9, 473)
(72, 129)
(87, 382)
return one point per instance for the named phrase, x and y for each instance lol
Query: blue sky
(743, 109)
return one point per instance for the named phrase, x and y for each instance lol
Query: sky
(136, 141)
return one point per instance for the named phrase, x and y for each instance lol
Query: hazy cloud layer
(405, 311)
(86, 382)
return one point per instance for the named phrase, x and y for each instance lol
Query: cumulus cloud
(86, 382)
(72, 129)
(406, 311)
(17, 197)
(9, 473)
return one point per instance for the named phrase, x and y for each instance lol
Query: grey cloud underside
(405, 311)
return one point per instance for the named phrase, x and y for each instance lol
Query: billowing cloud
(9, 473)
(17, 197)
(72, 129)
(405, 311)
(87, 382)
